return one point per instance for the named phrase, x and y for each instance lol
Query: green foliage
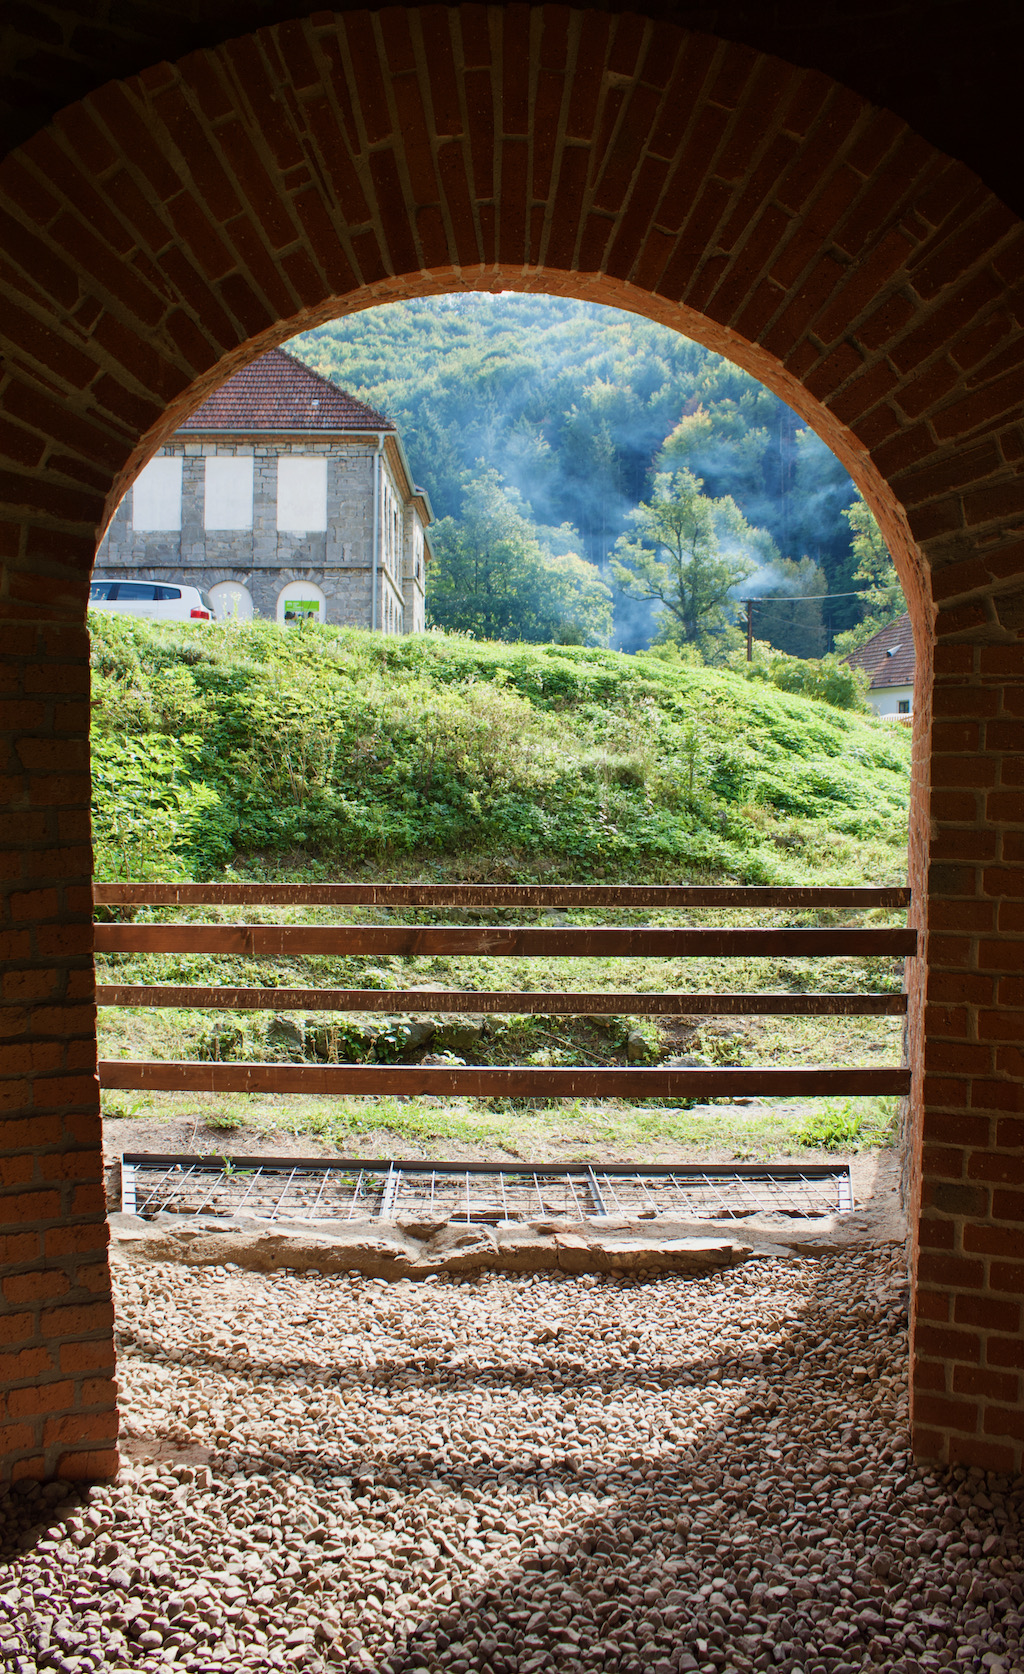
(883, 602)
(828, 679)
(223, 742)
(152, 816)
(571, 402)
(792, 617)
(492, 578)
(688, 553)
(848, 1124)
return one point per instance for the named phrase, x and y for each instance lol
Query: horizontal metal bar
(489, 895)
(282, 940)
(418, 1166)
(453, 999)
(514, 1082)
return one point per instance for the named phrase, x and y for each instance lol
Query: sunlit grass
(305, 762)
(394, 1127)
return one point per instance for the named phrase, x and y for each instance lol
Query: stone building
(282, 497)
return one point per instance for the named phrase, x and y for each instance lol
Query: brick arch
(167, 228)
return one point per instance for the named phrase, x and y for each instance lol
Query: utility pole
(750, 630)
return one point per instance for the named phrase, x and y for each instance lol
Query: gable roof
(887, 656)
(276, 392)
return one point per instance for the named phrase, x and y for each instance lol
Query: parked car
(168, 601)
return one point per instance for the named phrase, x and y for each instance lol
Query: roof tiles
(887, 656)
(276, 392)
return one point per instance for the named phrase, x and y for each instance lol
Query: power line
(802, 598)
(795, 598)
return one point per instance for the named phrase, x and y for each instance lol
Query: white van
(169, 601)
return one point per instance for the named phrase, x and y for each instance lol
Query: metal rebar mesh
(307, 1190)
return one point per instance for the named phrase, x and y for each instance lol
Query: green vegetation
(574, 406)
(320, 753)
(493, 578)
(829, 679)
(476, 1127)
(218, 744)
(882, 601)
(688, 553)
(848, 1124)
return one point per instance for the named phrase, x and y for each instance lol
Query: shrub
(828, 679)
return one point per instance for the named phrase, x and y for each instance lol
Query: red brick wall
(56, 1352)
(950, 68)
(171, 227)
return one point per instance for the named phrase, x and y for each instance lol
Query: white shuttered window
(228, 492)
(301, 493)
(156, 496)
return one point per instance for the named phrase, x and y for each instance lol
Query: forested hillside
(572, 404)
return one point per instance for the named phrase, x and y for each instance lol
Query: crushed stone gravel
(678, 1476)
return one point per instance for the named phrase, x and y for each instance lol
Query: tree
(495, 576)
(572, 402)
(688, 553)
(883, 601)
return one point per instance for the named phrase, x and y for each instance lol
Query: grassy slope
(218, 743)
(331, 753)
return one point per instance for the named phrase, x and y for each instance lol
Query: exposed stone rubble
(518, 1475)
(418, 1247)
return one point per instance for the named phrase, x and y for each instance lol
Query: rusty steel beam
(453, 1000)
(215, 1160)
(410, 1080)
(489, 895)
(284, 940)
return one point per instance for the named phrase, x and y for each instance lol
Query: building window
(156, 496)
(228, 492)
(903, 706)
(231, 602)
(301, 493)
(301, 601)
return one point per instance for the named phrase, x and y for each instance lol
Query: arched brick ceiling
(950, 68)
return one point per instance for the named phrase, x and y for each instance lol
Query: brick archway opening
(168, 229)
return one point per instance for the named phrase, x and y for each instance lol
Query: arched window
(301, 601)
(231, 602)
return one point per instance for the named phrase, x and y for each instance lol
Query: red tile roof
(888, 656)
(276, 392)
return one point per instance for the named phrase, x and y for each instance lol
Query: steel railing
(521, 1081)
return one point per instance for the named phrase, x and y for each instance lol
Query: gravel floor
(570, 1474)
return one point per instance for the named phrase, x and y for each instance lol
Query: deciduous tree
(883, 599)
(688, 553)
(494, 577)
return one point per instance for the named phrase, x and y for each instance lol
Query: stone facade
(258, 569)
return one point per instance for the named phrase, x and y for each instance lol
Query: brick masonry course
(162, 233)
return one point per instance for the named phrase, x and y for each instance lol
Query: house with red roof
(888, 657)
(281, 497)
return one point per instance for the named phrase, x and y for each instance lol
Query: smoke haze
(575, 404)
